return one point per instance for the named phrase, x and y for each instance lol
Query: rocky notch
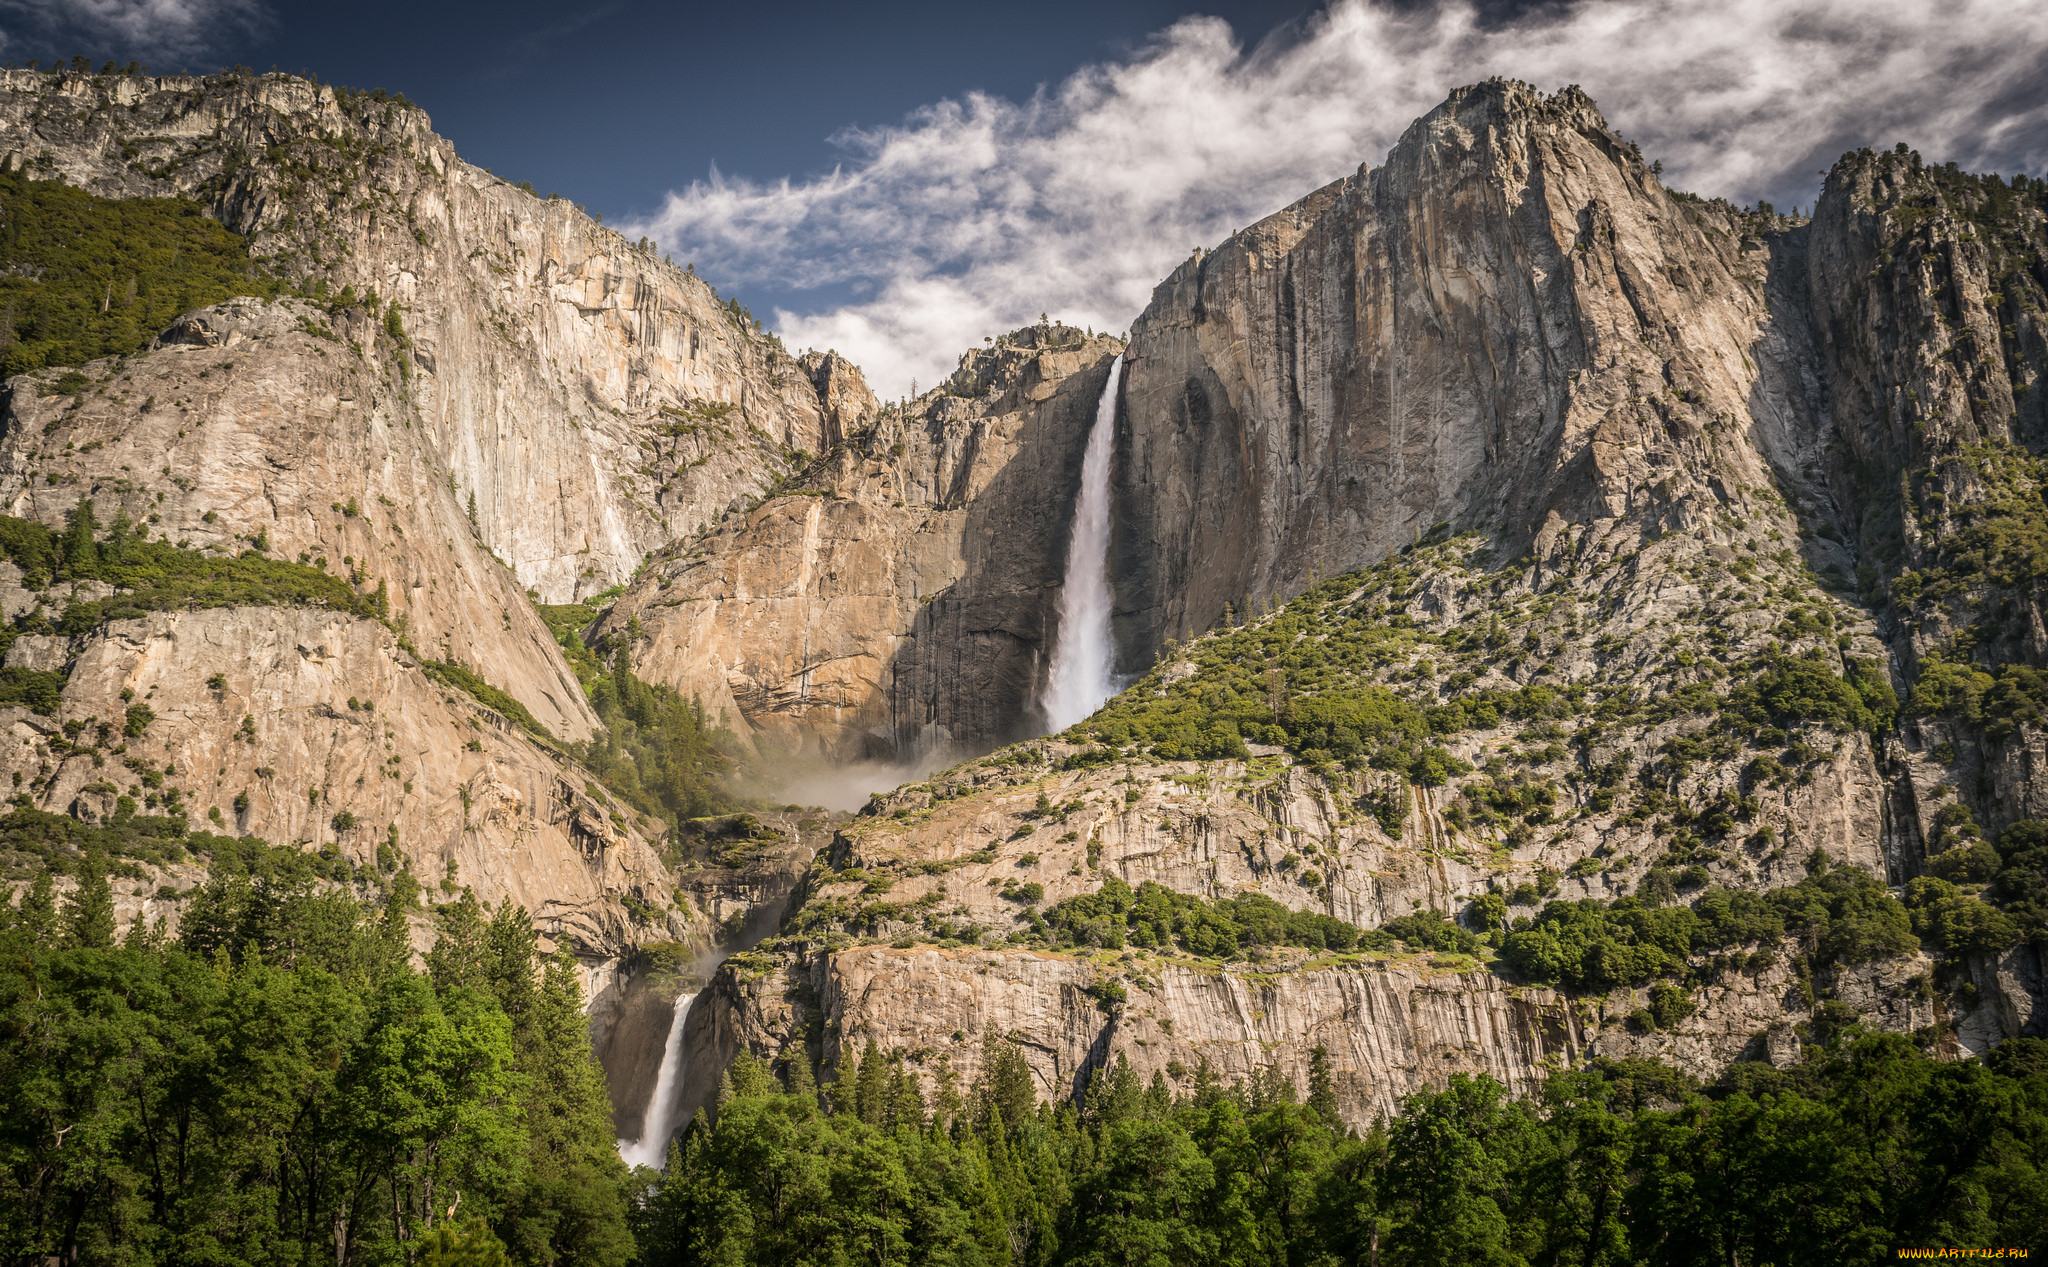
(895, 601)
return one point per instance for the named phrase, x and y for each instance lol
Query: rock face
(1217, 829)
(461, 791)
(591, 400)
(264, 421)
(899, 603)
(1925, 291)
(1390, 1028)
(1509, 319)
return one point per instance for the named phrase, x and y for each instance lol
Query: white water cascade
(651, 1149)
(1083, 672)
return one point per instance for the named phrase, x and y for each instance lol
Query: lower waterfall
(651, 1149)
(1083, 672)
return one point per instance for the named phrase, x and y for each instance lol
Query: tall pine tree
(89, 919)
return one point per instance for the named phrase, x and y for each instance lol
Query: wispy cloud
(972, 216)
(519, 52)
(131, 28)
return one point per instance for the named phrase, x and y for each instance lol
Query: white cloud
(973, 216)
(134, 28)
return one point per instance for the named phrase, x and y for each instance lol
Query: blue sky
(615, 102)
(900, 182)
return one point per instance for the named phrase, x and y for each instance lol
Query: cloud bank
(131, 28)
(973, 216)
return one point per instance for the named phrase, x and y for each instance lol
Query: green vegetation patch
(655, 751)
(152, 576)
(1312, 679)
(32, 840)
(462, 678)
(1841, 915)
(287, 1052)
(1151, 916)
(1301, 679)
(1789, 690)
(567, 621)
(82, 277)
(1156, 916)
(1632, 1157)
(1963, 870)
(39, 690)
(1997, 706)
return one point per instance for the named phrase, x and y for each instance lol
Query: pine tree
(1115, 1094)
(1322, 1090)
(212, 919)
(458, 956)
(1158, 1097)
(1004, 1082)
(471, 1245)
(871, 1087)
(844, 1092)
(946, 1103)
(798, 1076)
(749, 1074)
(79, 542)
(1268, 1087)
(508, 953)
(146, 936)
(906, 1097)
(1208, 1087)
(39, 909)
(89, 919)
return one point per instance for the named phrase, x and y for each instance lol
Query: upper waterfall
(1083, 672)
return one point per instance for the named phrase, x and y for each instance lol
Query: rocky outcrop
(1926, 288)
(1508, 320)
(1390, 1027)
(285, 426)
(963, 847)
(317, 728)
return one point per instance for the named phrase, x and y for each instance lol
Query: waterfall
(1083, 672)
(651, 1149)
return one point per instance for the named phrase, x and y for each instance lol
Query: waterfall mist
(1083, 672)
(651, 1149)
